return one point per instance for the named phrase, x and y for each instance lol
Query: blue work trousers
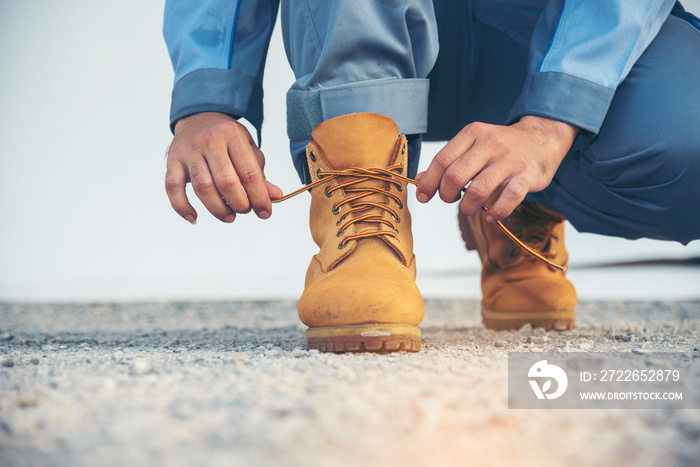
(434, 67)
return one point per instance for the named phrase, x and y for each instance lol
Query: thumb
(273, 191)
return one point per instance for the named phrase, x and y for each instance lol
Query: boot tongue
(357, 140)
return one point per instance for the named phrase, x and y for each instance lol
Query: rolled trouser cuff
(403, 100)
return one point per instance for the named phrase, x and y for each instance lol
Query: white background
(84, 101)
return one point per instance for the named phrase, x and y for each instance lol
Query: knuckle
(455, 178)
(499, 211)
(515, 190)
(202, 184)
(474, 128)
(443, 160)
(172, 183)
(228, 182)
(494, 139)
(249, 175)
(478, 192)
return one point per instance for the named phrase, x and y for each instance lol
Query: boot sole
(375, 337)
(549, 320)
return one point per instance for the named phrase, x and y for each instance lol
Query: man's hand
(219, 157)
(520, 158)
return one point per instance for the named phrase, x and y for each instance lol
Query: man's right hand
(219, 157)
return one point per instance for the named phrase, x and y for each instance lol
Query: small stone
(6, 336)
(568, 347)
(117, 355)
(63, 346)
(536, 340)
(630, 329)
(298, 353)
(9, 363)
(35, 361)
(499, 344)
(47, 348)
(645, 338)
(87, 349)
(585, 345)
(29, 401)
(243, 359)
(526, 328)
(140, 367)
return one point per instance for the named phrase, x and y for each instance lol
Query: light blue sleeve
(580, 51)
(218, 50)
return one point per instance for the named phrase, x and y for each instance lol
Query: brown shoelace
(392, 175)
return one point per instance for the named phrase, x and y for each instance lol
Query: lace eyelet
(397, 219)
(328, 193)
(312, 155)
(399, 188)
(403, 149)
(336, 211)
(400, 170)
(399, 204)
(342, 245)
(340, 233)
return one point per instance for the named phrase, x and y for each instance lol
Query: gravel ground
(233, 384)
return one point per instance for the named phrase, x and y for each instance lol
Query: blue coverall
(625, 72)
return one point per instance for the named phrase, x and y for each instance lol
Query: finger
(228, 184)
(250, 172)
(206, 191)
(175, 182)
(510, 198)
(273, 190)
(432, 178)
(480, 190)
(460, 174)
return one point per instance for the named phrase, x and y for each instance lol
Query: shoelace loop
(394, 175)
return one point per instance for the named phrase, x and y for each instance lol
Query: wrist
(561, 133)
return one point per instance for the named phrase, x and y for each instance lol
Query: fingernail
(422, 197)
(230, 218)
(191, 219)
(489, 218)
(263, 214)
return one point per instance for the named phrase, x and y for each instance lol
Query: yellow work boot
(517, 288)
(360, 292)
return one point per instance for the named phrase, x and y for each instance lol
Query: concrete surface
(231, 383)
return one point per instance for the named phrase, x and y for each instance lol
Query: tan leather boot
(360, 291)
(517, 288)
